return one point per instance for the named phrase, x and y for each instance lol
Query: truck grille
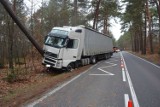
(49, 63)
(49, 58)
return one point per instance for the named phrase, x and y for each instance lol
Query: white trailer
(96, 43)
(70, 47)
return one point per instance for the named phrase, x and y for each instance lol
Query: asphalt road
(109, 83)
(146, 80)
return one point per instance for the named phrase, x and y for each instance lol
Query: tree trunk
(10, 44)
(149, 32)
(145, 33)
(157, 2)
(75, 13)
(141, 39)
(10, 39)
(135, 44)
(132, 40)
(105, 24)
(96, 14)
(42, 21)
(136, 40)
(32, 18)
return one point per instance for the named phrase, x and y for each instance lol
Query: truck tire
(93, 60)
(106, 56)
(70, 67)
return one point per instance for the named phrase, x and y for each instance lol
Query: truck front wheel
(70, 67)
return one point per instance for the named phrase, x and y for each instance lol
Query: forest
(18, 57)
(22, 75)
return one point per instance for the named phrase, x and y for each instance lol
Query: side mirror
(78, 30)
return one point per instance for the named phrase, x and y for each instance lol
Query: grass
(9, 96)
(154, 58)
(17, 93)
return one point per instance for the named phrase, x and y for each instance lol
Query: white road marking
(123, 73)
(122, 69)
(106, 72)
(57, 89)
(93, 66)
(126, 99)
(145, 61)
(133, 94)
(124, 76)
(100, 74)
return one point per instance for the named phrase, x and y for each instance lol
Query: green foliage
(133, 14)
(60, 13)
(124, 42)
(8, 28)
(114, 42)
(153, 11)
(108, 9)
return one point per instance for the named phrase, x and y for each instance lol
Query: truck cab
(62, 47)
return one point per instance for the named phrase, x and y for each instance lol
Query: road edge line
(57, 88)
(133, 94)
(145, 60)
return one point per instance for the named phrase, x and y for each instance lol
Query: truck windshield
(55, 41)
(56, 38)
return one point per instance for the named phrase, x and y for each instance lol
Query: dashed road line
(126, 99)
(133, 94)
(124, 76)
(123, 71)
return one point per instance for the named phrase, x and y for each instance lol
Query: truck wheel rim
(69, 68)
(94, 60)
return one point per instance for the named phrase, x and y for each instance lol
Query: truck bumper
(54, 64)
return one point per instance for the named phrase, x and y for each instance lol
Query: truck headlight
(48, 66)
(59, 64)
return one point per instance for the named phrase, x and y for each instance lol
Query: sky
(36, 3)
(115, 27)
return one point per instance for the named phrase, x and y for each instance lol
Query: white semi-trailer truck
(70, 47)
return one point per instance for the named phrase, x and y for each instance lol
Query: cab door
(70, 53)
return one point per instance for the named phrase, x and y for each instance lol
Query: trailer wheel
(70, 67)
(109, 55)
(106, 56)
(93, 60)
(77, 64)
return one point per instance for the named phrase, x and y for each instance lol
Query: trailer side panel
(96, 43)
